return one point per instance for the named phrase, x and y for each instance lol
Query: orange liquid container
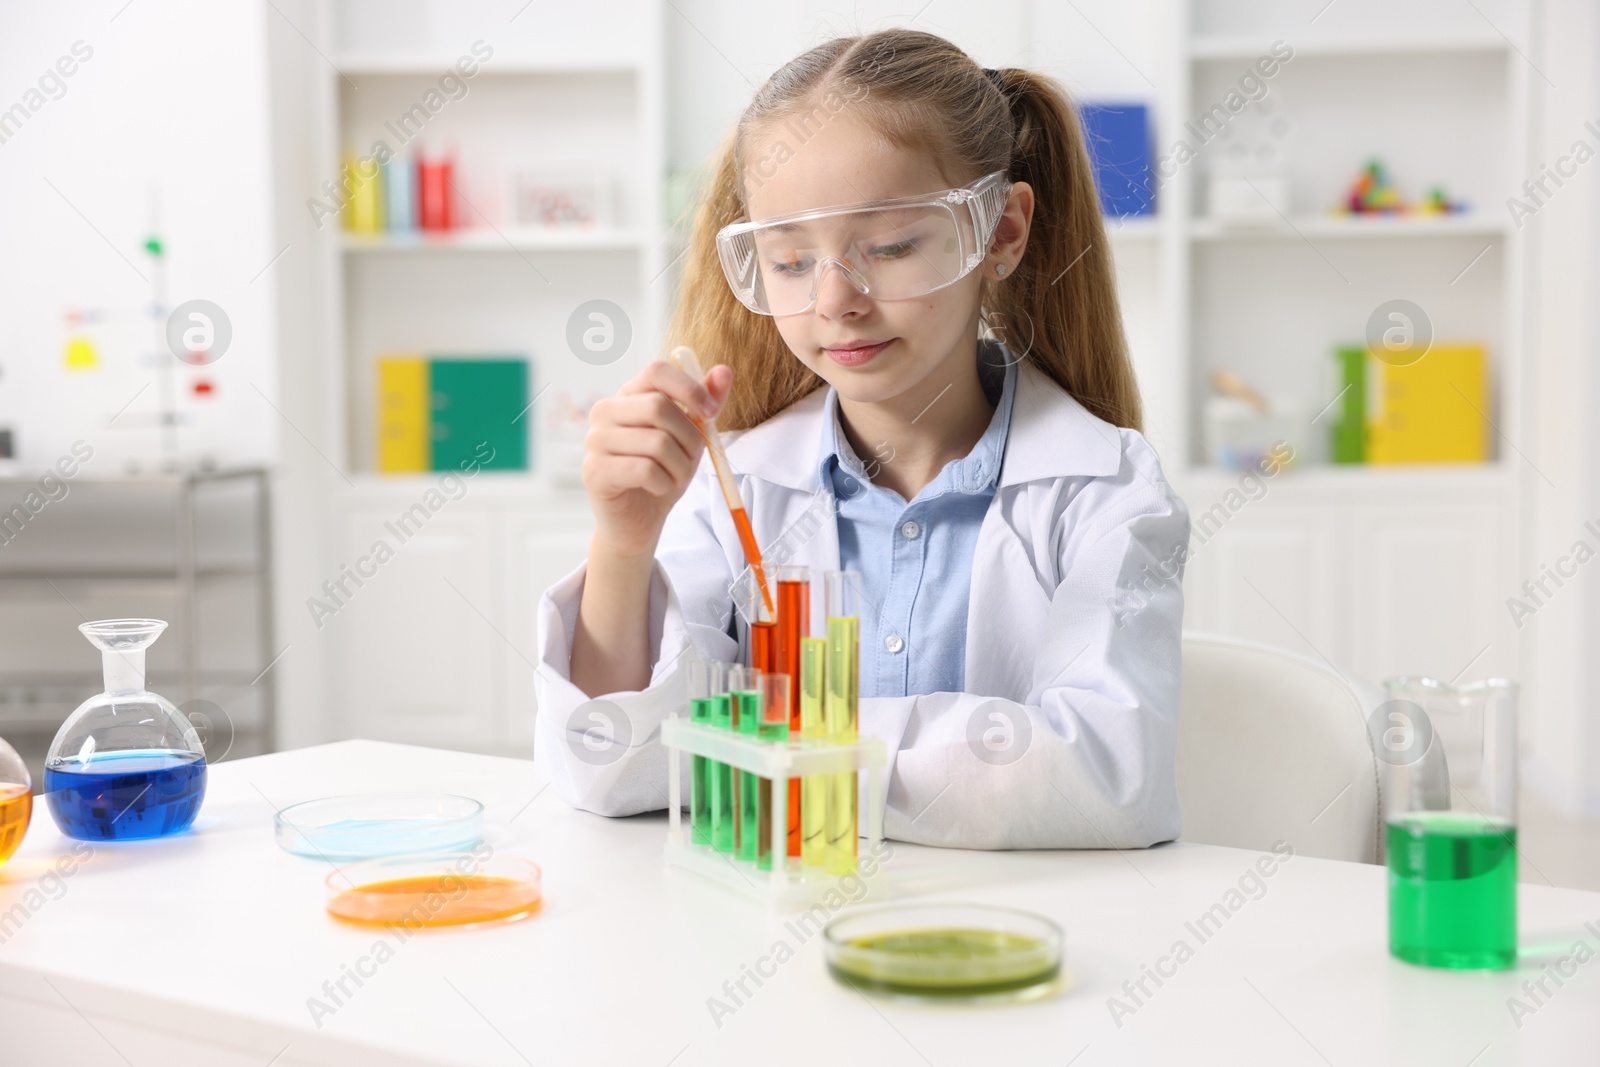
(794, 618)
(763, 646)
(16, 811)
(447, 889)
(752, 553)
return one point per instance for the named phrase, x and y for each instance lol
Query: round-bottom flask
(16, 801)
(126, 764)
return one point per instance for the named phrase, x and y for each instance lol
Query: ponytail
(1063, 296)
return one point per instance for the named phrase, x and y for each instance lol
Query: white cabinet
(542, 546)
(436, 647)
(1408, 577)
(1269, 575)
(417, 661)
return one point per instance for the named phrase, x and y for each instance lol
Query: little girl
(880, 200)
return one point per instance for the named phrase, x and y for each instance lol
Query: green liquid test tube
(774, 726)
(839, 711)
(722, 809)
(700, 777)
(747, 720)
(813, 788)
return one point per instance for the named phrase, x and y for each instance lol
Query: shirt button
(909, 530)
(893, 643)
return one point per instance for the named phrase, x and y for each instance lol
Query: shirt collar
(1050, 435)
(976, 472)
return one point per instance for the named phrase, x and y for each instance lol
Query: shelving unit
(575, 89)
(1341, 562)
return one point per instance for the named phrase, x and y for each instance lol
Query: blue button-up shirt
(914, 641)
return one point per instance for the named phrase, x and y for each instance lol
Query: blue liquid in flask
(126, 796)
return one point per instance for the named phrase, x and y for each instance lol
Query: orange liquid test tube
(794, 623)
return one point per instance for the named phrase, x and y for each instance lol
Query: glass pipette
(684, 359)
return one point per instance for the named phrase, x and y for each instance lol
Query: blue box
(1118, 136)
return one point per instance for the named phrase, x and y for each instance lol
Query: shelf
(1247, 49)
(486, 240)
(1132, 227)
(154, 574)
(1351, 226)
(433, 67)
(1410, 477)
(495, 485)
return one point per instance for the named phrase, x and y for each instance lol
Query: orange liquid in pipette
(794, 616)
(435, 900)
(16, 811)
(752, 555)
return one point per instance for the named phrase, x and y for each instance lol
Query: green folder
(478, 405)
(1348, 430)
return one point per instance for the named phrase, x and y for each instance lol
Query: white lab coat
(1066, 736)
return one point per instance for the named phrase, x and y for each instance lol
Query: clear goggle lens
(891, 250)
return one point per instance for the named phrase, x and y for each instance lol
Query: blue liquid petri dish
(374, 825)
(129, 795)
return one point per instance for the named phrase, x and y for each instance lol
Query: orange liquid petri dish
(445, 889)
(16, 812)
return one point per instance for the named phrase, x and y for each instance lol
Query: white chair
(1273, 745)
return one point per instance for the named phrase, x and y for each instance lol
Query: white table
(205, 949)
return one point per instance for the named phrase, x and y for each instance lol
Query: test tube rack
(789, 886)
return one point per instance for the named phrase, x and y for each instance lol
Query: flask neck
(124, 671)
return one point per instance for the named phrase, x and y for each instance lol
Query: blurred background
(303, 302)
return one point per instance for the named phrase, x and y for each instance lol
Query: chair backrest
(1273, 745)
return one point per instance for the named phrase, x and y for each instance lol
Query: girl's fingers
(662, 377)
(618, 474)
(648, 443)
(648, 411)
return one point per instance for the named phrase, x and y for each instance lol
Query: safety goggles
(894, 249)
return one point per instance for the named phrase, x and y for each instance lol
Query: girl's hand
(641, 451)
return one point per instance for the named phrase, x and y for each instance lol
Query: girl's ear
(1011, 232)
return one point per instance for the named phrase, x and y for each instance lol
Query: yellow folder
(403, 421)
(1435, 410)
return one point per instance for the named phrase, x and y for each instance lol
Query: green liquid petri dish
(946, 953)
(1453, 890)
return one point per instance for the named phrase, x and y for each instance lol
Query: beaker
(16, 800)
(1453, 850)
(126, 764)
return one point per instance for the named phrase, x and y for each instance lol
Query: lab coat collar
(1051, 436)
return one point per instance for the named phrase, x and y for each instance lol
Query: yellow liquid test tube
(839, 711)
(813, 788)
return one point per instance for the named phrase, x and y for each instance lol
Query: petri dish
(449, 889)
(945, 953)
(372, 825)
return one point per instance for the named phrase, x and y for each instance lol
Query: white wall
(1562, 640)
(171, 99)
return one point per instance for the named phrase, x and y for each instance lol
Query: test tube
(747, 828)
(722, 779)
(839, 712)
(794, 622)
(761, 633)
(813, 788)
(700, 689)
(774, 726)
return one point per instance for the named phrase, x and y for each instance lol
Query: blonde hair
(918, 90)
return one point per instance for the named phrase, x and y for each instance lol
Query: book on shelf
(436, 413)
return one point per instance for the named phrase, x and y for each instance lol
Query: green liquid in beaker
(1453, 890)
